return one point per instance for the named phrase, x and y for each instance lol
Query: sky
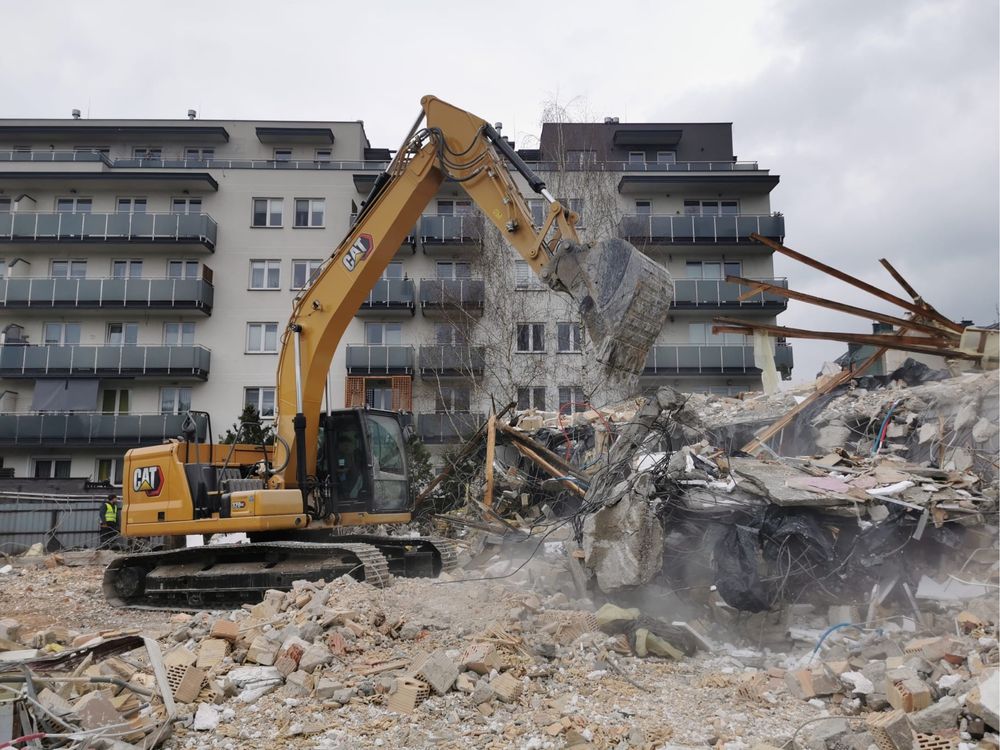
(881, 118)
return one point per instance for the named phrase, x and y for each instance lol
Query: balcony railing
(300, 164)
(447, 427)
(86, 428)
(694, 359)
(645, 166)
(49, 155)
(657, 229)
(691, 293)
(441, 294)
(104, 361)
(447, 229)
(452, 359)
(107, 294)
(390, 294)
(117, 227)
(379, 360)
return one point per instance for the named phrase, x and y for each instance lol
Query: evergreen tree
(254, 431)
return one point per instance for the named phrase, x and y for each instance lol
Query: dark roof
(294, 135)
(198, 132)
(113, 176)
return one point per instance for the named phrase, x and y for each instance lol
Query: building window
(666, 157)
(122, 334)
(539, 208)
(453, 269)
(174, 400)
(310, 212)
(182, 269)
(265, 274)
(61, 334)
(69, 269)
(701, 333)
(711, 208)
(147, 153)
(383, 334)
(262, 338)
(378, 393)
(636, 157)
(452, 398)
(199, 154)
(126, 269)
(577, 206)
(525, 277)
(304, 271)
(323, 155)
(282, 154)
(643, 208)
(178, 334)
(531, 398)
(110, 470)
(51, 468)
(261, 399)
(115, 400)
(267, 212)
(531, 337)
(713, 269)
(449, 334)
(74, 205)
(185, 205)
(572, 399)
(581, 158)
(569, 337)
(454, 208)
(131, 205)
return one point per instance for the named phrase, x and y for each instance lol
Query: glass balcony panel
(136, 292)
(159, 358)
(91, 225)
(42, 290)
(59, 292)
(687, 358)
(6, 224)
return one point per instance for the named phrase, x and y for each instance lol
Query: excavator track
(225, 576)
(228, 575)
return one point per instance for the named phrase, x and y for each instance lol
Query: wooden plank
(558, 461)
(549, 469)
(841, 307)
(836, 273)
(491, 444)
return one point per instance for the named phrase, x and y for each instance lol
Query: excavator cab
(362, 464)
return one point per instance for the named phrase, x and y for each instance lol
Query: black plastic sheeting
(786, 555)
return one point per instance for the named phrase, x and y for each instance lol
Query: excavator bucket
(624, 298)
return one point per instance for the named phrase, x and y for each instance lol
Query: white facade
(160, 259)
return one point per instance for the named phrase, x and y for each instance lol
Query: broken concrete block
(55, 702)
(908, 695)
(96, 710)
(481, 658)
(483, 693)
(299, 682)
(507, 687)
(211, 652)
(820, 735)
(808, 683)
(225, 629)
(408, 694)
(10, 629)
(206, 718)
(326, 687)
(317, 655)
(465, 683)
(937, 717)
(983, 700)
(439, 672)
(891, 730)
(262, 651)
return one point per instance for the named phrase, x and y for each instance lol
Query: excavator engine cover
(624, 297)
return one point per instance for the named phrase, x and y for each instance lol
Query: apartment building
(148, 269)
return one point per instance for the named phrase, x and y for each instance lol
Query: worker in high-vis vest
(109, 522)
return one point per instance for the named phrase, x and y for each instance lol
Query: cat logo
(148, 479)
(358, 251)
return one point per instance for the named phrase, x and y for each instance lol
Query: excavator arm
(623, 296)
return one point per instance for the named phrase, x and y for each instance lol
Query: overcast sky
(880, 117)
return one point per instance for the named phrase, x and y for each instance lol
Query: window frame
(76, 200)
(309, 276)
(188, 201)
(53, 460)
(575, 336)
(116, 469)
(132, 201)
(310, 211)
(183, 327)
(178, 390)
(117, 409)
(268, 212)
(260, 400)
(263, 337)
(383, 326)
(130, 263)
(125, 326)
(661, 160)
(151, 153)
(184, 263)
(320, 159)
(62, 332)
(641, 160)
(577, 403)
(535, 330)
(270, 264)
(531, 392)
(70, 263)
(445, 398)
(283, 151)
(200, 153)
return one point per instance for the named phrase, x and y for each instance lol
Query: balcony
(19, 361)
(379, 360)
(83, 429)
(107, 294)
(198, 229)
(446, 234)
(452, 360)
(649, 231)
(646, 166)
(49, 156)
(708, 359)
(389, 298)
(441, 296)
(691, 294)
(448, 427)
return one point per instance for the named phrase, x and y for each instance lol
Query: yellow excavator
(347, 468)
